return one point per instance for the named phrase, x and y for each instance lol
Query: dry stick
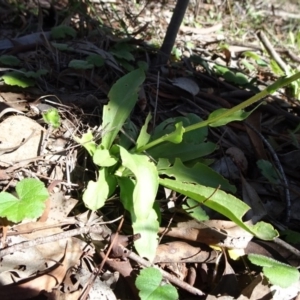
(287, 246)
(165, 274)
(55, 237)
(85, 293)
(279, 166)
(272, 52)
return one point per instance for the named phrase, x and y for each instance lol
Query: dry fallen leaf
(13, 130)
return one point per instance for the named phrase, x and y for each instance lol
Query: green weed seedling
(126, 165)
(277, 272)
(29, 203)
(52, 118)
(22, 78)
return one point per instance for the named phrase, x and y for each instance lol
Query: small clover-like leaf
(30, 203)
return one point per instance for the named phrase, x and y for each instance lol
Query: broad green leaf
(147, 227)
(122, 98)
(52, 117)
(143, 65)
(229, 76)
(268, 171)
(17, 78)
(221, 70)
(80, 64)
(122, 53)
(144, 136)
(122, 50)
(97, 192)
(30, 203)
(241, 79)
(194, 209)
(183, 151)
(87, 141)
(165, 132)
(224, 203)
(277, 272)
(9, 60)
(198, 174)
(96, 60)
(103, 158)
(149, 284)
(146, 177)
(126, 65)
(62, 31)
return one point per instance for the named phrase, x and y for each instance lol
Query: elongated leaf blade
(224, 203)
(147, 227)
(198, 174)
(146, 186)
(122, 98)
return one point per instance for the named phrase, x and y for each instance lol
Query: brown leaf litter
(45, 256)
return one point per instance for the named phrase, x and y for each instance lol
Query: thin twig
(165, 274)
(93, 277)
(272, 52)
(95, 228)
(287, 246)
